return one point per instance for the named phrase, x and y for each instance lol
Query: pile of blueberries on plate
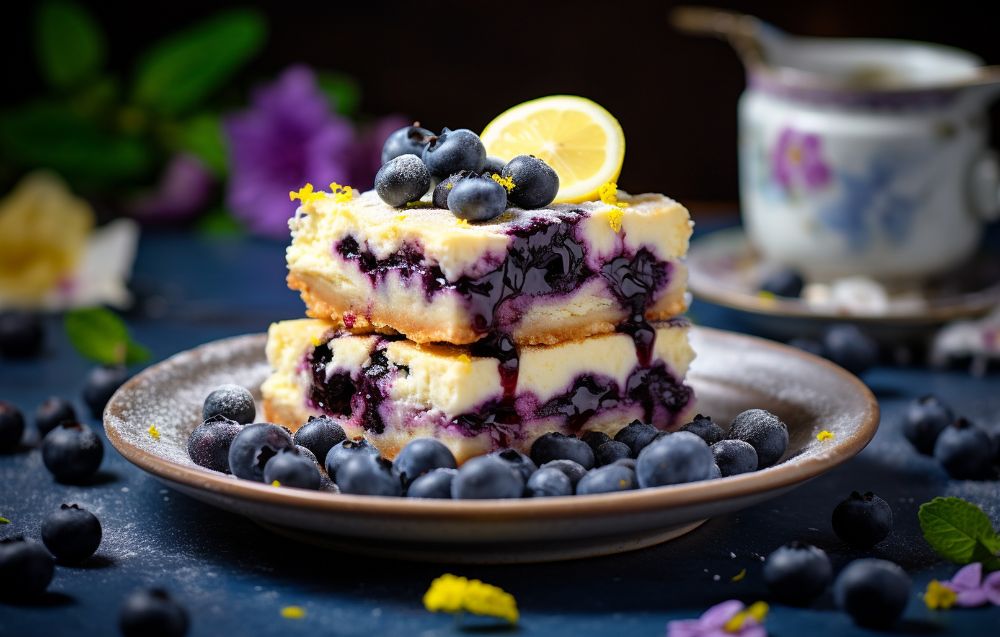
(639, 456)
(466, 181)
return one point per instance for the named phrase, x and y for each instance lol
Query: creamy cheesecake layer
(393, 390)
(543, 276)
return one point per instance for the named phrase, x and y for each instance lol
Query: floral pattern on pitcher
(797, 162)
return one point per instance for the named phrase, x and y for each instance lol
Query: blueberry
(849, 347)
(680, 457)
(486, 477)
(734, 457)
(764, 431)
(72, 452)
(705, 428)
(873, 592)
(101, 384)
(152, 613)
(232, 402)
(925, 419)
(535, 183)
(319, 435)
(964, 450)
(573, 470)
(477, 199)
(493, 166)
(797, 573)
(548, 482)
(783, 282)
(209, 443)
(809, 345)
(862, 520)
(409, 140)
(341, 453)
(26, 568)
(433, 484)
(445, 186)
(609, 479)
(454, 150)
(402, 180)
(558, 446)
(11, 427)
(289, 468)
(716, 472)
(253, 446)
(610, 452)
(520, 462)
(21, 334)
(595, 438)
(71, 534)
(52, 412)
(420, 456)
(364, 474)
(637, 435)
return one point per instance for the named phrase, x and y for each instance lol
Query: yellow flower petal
(938, 596)
(293, 612)
(452, 594)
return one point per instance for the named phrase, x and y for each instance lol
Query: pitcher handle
(985, 186)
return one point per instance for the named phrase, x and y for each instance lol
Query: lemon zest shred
(293, 612)
(766, 296)
(756, 611)
(608, 193)
(739, 576)
(938, 596)
(340, 193)
(615, 217)
(275, 483)
(4, 520)
(825, 435)
(154, 432)
(453, 594)
(506, 182)
(462, 223)
(464, 358)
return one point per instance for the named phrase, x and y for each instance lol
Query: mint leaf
(70, 44)
(183, 69)
(959, 531)
(99, 335)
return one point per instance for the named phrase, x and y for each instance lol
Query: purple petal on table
(969, 576)
(718, 615)
(991, 586)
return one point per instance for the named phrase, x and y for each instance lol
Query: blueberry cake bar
(542, 276)
(473, 398)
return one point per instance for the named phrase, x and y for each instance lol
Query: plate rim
(636, 501)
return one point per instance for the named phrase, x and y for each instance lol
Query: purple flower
(797, 159)
(183, 190)
(728, 619)
(971, 589)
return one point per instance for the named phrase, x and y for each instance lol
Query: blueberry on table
(535, 183)
(71, 534)
(849, 347)
(487, 477)
(678, 458)
(765, 432)
(705, 428)
(862, 520)
(873, 592)
(595, 438)
(441, 191)
(520, 462)
(72, 452)
(477, 199)
(289, 468)
(253, 446)
(409, 140)
(232, 402)
(809, 345)
(11, 427)
(610, 479)
(573, 470)
(209, 443)
(548, 482)
(783, 282)
(26, 568)
(454, 150)
(152, 613)
(421, 455)
(319, 435)
(610, 452)
(433, 484)
(734, 457)
(21, 334)
(101, 384)
(559, 446)
(341, 453)
(402, 180)
(364, 474)
(52, 412)
(637, 435)
(965, 451)
(797, 573)
(924, 420)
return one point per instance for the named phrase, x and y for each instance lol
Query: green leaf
(342, 90)
(202, 137)
(959, 531)
(70, 44)
(182, 70)
(99, 335)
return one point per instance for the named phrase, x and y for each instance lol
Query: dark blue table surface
(235, 578)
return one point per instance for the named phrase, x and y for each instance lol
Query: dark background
(458, 64)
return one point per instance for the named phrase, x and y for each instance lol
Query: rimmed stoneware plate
(725, 270)
(732, 373)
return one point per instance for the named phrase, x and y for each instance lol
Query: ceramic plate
(726, 270)
(732, 373)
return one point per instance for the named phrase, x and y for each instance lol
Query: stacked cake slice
(484, 335)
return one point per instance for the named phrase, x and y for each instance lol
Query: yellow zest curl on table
(452, 594)
(756, 611)
(824, 435)
(938, 596)
(293, 612)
